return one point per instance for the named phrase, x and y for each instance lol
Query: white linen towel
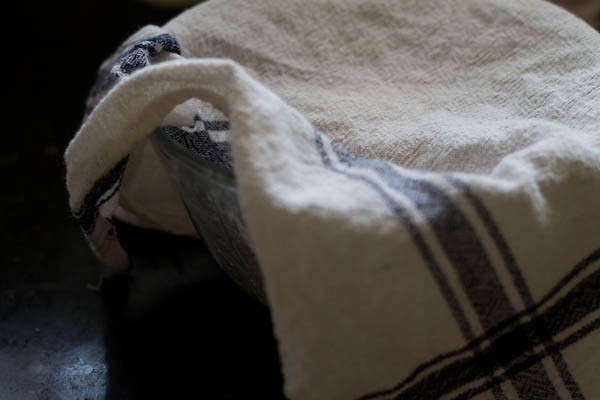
(420, 180)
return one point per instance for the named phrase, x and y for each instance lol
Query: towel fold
(420, 180)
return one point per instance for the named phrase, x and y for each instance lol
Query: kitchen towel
(420, 180)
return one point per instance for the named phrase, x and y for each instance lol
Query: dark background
(174, 327)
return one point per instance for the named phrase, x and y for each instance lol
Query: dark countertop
(175, 326)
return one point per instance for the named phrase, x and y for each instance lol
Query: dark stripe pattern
(102, 191)
(434, 268)
(199, 142)
(518, 280)
(514, 349)
(128, 60)
(467, 255)
(506, 329)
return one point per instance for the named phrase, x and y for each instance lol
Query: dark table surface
(175, 326)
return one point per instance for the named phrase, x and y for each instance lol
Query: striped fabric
(420, 183)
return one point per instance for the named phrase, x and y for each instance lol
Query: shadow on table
(177, 327)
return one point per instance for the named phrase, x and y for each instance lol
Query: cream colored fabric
(403, 277)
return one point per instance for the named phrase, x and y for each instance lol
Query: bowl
(209, 193)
